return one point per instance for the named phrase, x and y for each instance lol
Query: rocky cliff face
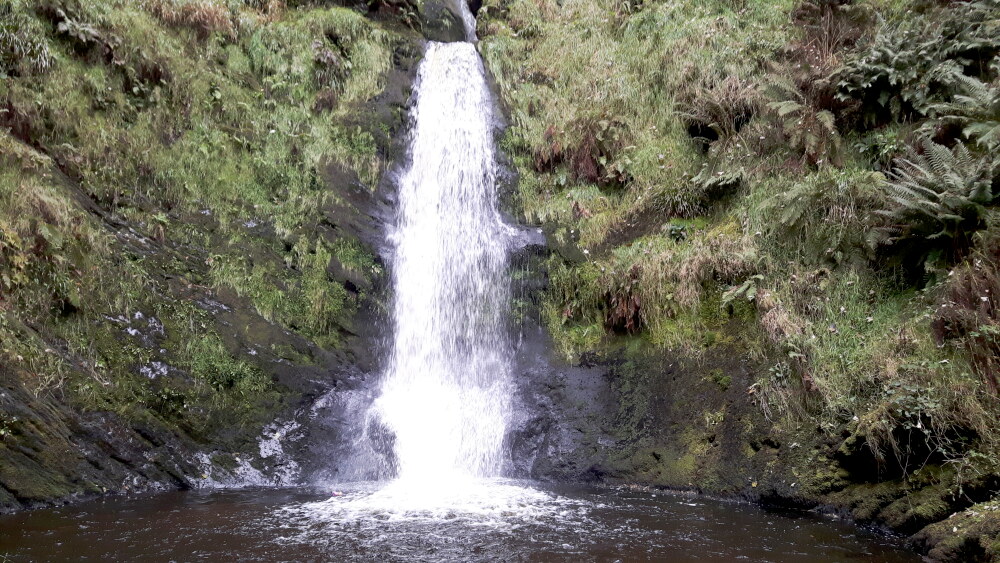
(666, 419)
(191, 287)
(676, 422)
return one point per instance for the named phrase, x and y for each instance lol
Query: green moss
(354, 257)
(822, 476)
(721, 379)
(969, 535)
(867, 500)
(28, 483)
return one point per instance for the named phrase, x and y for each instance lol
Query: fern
(909, 68)
(823, 218)
(811, 132)
(938, 201)
(977, 110)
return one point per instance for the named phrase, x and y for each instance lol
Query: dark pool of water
(510, 522)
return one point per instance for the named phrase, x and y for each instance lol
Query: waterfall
(468, 20)
(445, 395)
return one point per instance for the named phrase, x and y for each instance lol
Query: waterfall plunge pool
(472, 521)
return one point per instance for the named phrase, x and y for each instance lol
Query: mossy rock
(917, 509)
(29, 483)
(971, 535)
(441, 20)
(866, 500)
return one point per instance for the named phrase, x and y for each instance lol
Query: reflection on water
(495, 521)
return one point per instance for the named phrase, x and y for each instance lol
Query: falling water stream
(438, 425)
(446, 394)
(434, 435)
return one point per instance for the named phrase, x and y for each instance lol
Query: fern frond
(827, 120)
(937, 197)
(785, 108)
(986, 134)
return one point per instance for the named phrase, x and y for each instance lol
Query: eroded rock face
(52, 452)
(563, 427)
(663, 420)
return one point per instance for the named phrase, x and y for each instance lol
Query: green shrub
(209, 362)
(881, 147)
(918, 62)
(967, 315)
(976, 109)
(938, 201)
(824, 217)
(809, 131)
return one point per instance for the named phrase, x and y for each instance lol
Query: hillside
(776, 222)
(773, 242)
(186, 224)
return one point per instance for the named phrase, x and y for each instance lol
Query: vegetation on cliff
(813, 184)
(809, 187)
(166, 163)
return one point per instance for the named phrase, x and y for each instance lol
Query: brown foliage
(326, 100)
(624, 307)
(205, 17)
(18, 124)
(968, 313)
(718, 109)
(590, 151)
(551, 154)
(830, 29)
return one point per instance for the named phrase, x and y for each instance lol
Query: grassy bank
(813, 184)
(176, 211)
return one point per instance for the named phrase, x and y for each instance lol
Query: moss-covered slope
(187, 224)
(775, 225)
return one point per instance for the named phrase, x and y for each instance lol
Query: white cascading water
(446, 393)
(468, 20)
(445, 399)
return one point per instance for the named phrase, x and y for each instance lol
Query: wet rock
(441, 20)
(970, 535)
(55, 452)
(562, 421)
